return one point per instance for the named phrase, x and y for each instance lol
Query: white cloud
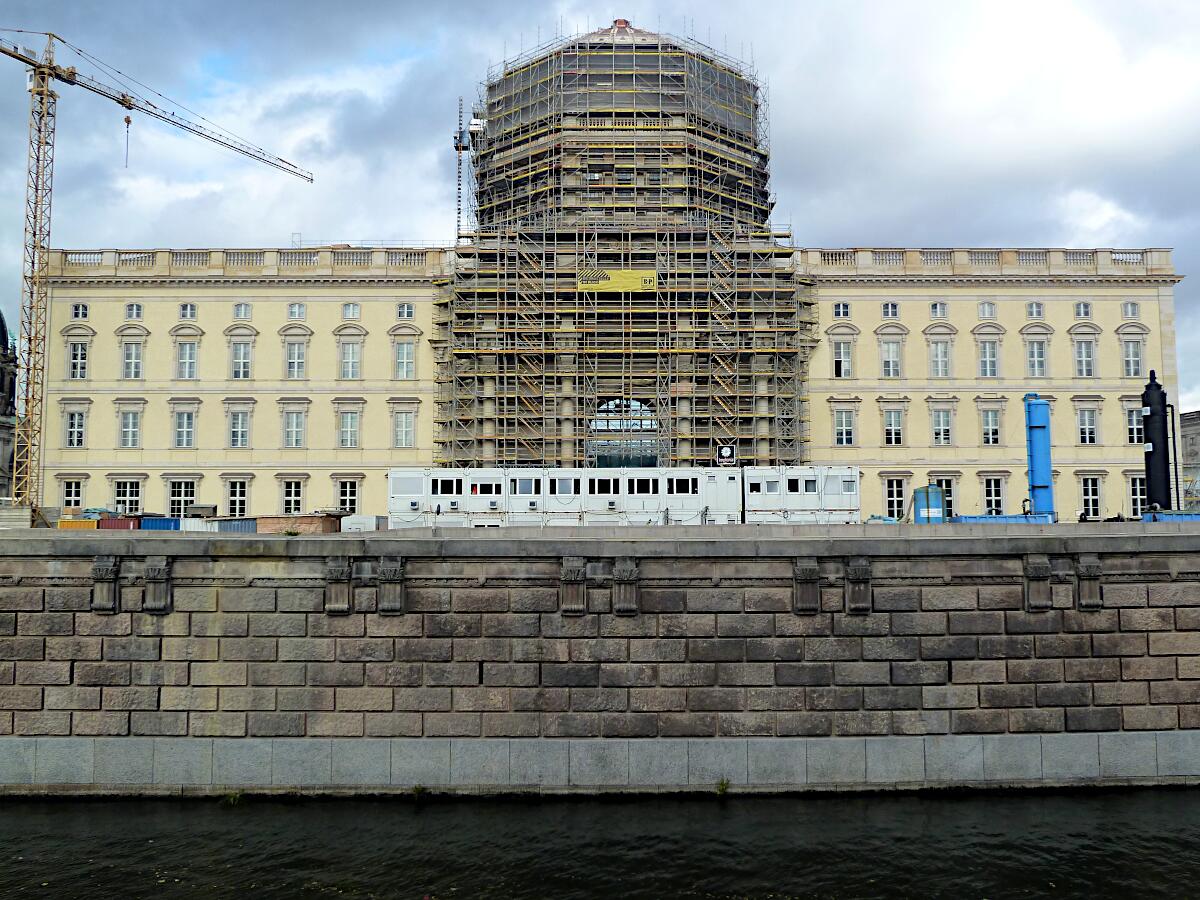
(1090, 220)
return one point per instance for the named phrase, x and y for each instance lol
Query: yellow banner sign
(612, 280)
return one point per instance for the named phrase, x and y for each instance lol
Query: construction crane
(43, 73)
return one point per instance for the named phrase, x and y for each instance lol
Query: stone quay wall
(780, 639)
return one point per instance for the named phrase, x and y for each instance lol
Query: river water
(1133, 843)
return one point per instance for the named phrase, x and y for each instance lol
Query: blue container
(1170, 516)
(163, 524)
(1037, 443)
(1015, 519)
(238, 526)
(929, 506)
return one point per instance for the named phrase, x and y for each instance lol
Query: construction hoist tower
(623, 299)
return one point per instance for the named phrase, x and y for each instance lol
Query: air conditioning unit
(414, 504)
(492, 504)
(454, 504)
(612, 504)
(533, 504)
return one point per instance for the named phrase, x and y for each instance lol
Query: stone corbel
(338, 591)
(806, 586)
(106, 570)
(1038, 593)
(572, 586)
(1087, 583)
(625, 587)
(157, 599)
(390, 577)
(858, 585)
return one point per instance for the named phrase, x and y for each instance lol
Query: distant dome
(5, 339)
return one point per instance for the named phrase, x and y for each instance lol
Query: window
(185, 430)
(131, 355)
(241, 310)
(988, 359)
(642, 486)
(1083, 310)
(79, 310)
(947, 486)
(133, 310)
(683, 486)
(987, 310)
(185, 361)
(487, 488)
(810, 485)
(564, 487)
(841, 310)
(1131, 356)
(1137, 495)
(404, 310)
(404, 429)
(893, 497)
(1131, 310)
(180, 495)
(1035, 310)
(891, 310)
(350, 310)
(938, 310)
(446, 487)
(72, 492)
(293, 496)
(939, 359)
(893, 427)
(240, 360)
(350, 353)
(1085, 359)
(889, 352)
(187, 310)
(236, 493)
(127, 497)
(348, 429)
(849, 485)
(1134, 430)
(295, 352)
(989, 420)
(405, 359)
(348, 496)
(529, 487)
(843, 427)
(1086, 420)
(78, 353)
(295, 311)
(1089, 493)
(1035, 359)
(842, 352)
(131, 429)
(239, 429)
(940, 421)
(76, 436)
(293, 429)
(604, 487)
(993, 496)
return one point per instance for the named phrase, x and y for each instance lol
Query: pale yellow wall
(967, 459)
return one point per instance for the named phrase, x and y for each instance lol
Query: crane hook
(128, 122)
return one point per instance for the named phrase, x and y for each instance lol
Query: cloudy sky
(893, 123)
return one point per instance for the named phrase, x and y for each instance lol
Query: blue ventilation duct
(1037, 442)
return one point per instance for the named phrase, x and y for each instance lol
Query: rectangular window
(131, 355)
(446, 487)
(239, 430)
(348, 496)
(72, 493)
(350, 352)
(990, 421)
(604, 487)
(1132, 356)
(947, 486)
(487, 488)
(79, 361)
(1137, 495)
(1086, 419)
(940, 420)
(127, 497)
(893, 497)
(988, 366)
(185, 430)
(564, 487)
(404, 434)
(527, 487)
(1089, 492)
(1085, 359)
(1035, 359)
(843, 427)
(236, 492)
(295, 311)
(293, 497)
(185, 366)
(939, 359)
(405, 359)
(240, 359)
(181, 494)
(889, 352)
(295, 352)
(683, 486)
(1134, 431)
(131, 429)
(348, 429)
(76, 437)
(810, 485)
(842, 367)
(293, 429)
(993, 496)
(893, 427)
(642, 486)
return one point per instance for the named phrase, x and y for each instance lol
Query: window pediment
(1084, 328)
(132, 330)
(405, 329)
(891, 329)
(843, 330)
(988, 329)
(295, 330)
(350, 330)
(241, 330)
(1132, 329)
(1038, 329)
(186, 330)
(79, 331)
(939, 329)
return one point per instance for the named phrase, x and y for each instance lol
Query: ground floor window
(127, 497)
(993, 496)
(1089, 492)
(893, 497)
(181, 494)
(348, 496)
(293, 497)
(1137, 495)
(947, 486)
(72, 493)
(236, 494)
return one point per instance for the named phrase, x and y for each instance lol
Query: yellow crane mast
(43, 73)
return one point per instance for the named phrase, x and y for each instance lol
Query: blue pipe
(1037, 442)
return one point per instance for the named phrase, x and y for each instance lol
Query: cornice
(961, 280)
(105, 281)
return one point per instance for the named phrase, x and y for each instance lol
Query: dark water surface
(1112, 844)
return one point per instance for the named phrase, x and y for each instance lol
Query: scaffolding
(622, 153)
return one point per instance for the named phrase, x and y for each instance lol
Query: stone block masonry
(751, 638)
